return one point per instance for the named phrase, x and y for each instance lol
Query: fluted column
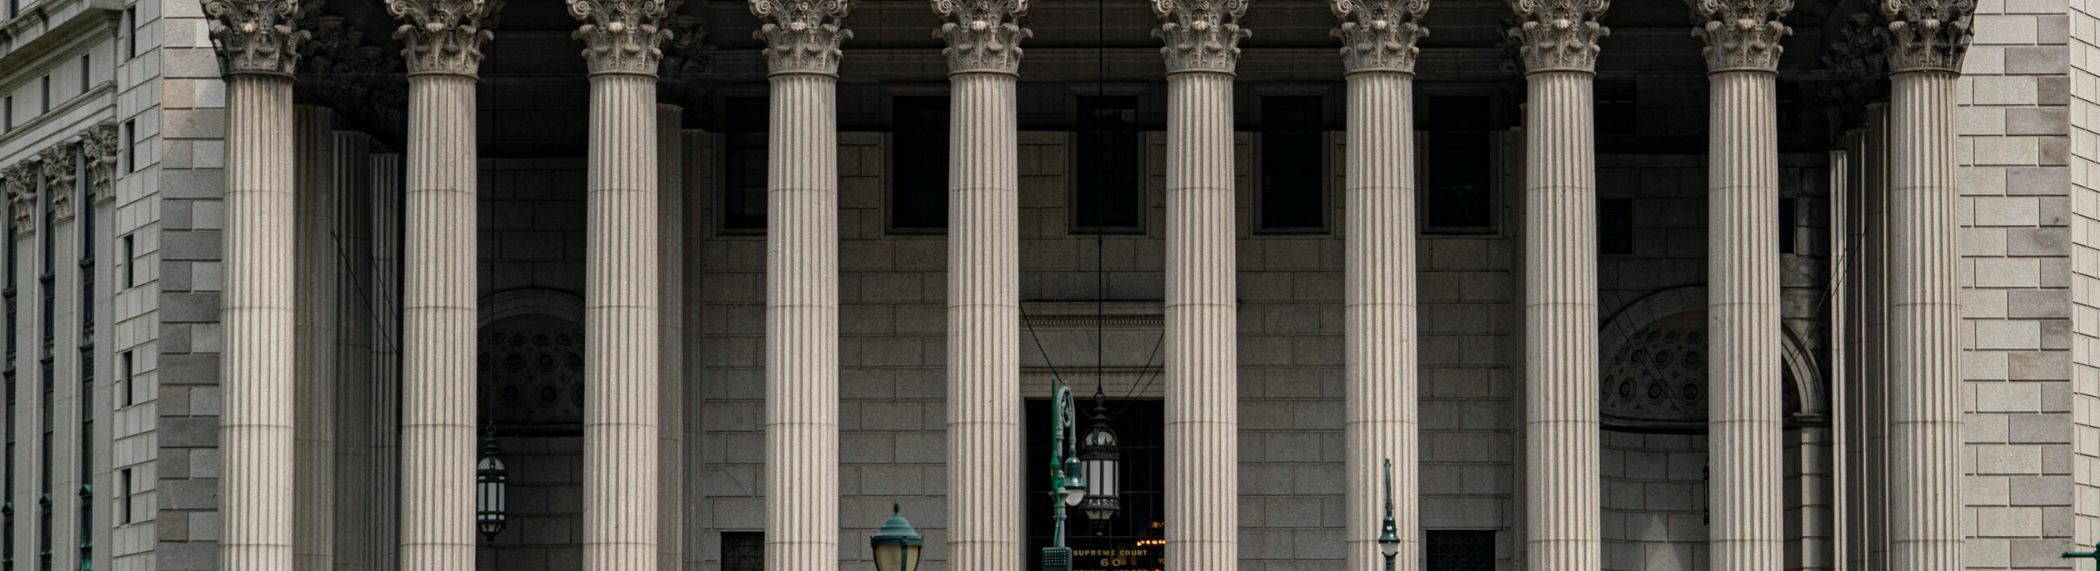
(256, 47)
(314, 331)
(670, 441)
(1379, 312)
(353, 382)
(439, 307)
(1560, 44)
(1202, 327)
(984, 387)
(385, 419)
(1925, 417)
(1743, 414)
(802, 287)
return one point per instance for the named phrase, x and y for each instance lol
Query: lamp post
(1067, 487)
(897, 545)
(1389, 540)
(2093, 555)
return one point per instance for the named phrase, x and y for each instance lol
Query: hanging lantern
(897, 545)
(490, 479)
(1103, 460)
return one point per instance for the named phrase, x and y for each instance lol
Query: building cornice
(53, 27)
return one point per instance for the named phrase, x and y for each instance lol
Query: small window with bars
(1460, 550)
(743, 551)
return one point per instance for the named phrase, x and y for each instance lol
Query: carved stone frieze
(1741, 34)
(1380, 35)
(802, 36)
(443, 36)
(256, 36)
(982, 35)
(61, 176)
(21, 182)
(1200, 35)
(621, 36)
(100, 144)
(1928, 35)
(1559, 35)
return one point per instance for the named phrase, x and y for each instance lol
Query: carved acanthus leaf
(1559, 35)
(982, 35)
(1741, 34)
(1200, 35)
(685, 52)
(621, 36)
(802, 36)
(61, 175)
(443, 36)
(255, 36)
(1858, 61)
(20, 179)
(1928, 35)
(1380, 35)
(101, 145)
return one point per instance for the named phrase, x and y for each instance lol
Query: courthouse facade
(1717, 284)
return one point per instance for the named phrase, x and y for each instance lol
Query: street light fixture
(1103, 461)
(1389, 539)
(490, 479)
(897, 546)
(1067, 487)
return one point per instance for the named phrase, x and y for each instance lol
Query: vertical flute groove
(1924, 318)
(802, 335)
(255, 427)
(620, 318)
(354, 373)
(670, 442)
(1202, 404)
(385, 419)
(1743, 417)
(984, 432)
(1560, 316)
(314, 306)
(1380, 314)
(439, 316)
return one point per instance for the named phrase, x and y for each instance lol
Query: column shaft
(802, 328)
(1742, 261)
(984, 400)
(1202, 364)
(1560, 323)
(316, 270)
(439, 312)
(1379, 313)
(620, 319)
(255, 427)
(353, 384)
(1925, 420)
(670, 447)
(385, 419)
(1875, 397)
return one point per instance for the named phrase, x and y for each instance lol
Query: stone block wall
(2083, 178)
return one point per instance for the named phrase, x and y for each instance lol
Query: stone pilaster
(439, 305)
(670, 441)
(802, 280)
(1743, 417)
(1559, 45)
(1379, 312)
(1929, 38)
(983, 367)
(621, 284)
(353, 382)
(317, 271)
(255, 42)
(385, 419)
(1202, 325)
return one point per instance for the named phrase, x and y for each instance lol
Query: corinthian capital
(1201, 35)
(20, 179)
(1929, 35)
(100, 145)
(1559, 35)
(802, 36)
(622, 36)
(1379, 35)
(1741, 34)
(255, 36)
(684, 52)
(60, 175)
(982, 35)
(443, 36)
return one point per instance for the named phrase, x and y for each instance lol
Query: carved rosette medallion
(101, 146)
(1928, 35)
(1200, 35)
(621, 36)
(443, 36)
(802, 36)
(1741, 35)
(61, 175)
(255, 37)
(982, 35)
(20, 180)
(1379, 35)
(1559, 35)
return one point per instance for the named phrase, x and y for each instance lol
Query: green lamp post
(2093, 555)
(897, 545)
(1389, 540)
(1067, 488)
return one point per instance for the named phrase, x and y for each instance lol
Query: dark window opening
(1136, 535)
(123, 497)
(919, 163)
(131, 146)
(1789, 106)
(1787, 237)
(9, 103)
(1457, 166)
(125, 276)
(44, 84)
(1617, 109)
(1460, 550)
(131, 39)
(1108, 196)
(124, 382)
(1615, 226)
(744, 163)
(743, 551)
(85, 76)
(1293, 192)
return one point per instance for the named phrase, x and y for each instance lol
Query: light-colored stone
(255, 429)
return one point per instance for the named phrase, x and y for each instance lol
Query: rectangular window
(123, 389)
(9, 103)
(1457, 165)
(125, 277)
(743, 551)
(1459, 550)
(131, 146)
(1615, 226)
(744, 164)
(1618, 110)
(123, 507)
(1293, 189)
(86, 78)
(919, 163)
(131, 36)
(1787, 239)
(45, 85)
(1108, 195)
